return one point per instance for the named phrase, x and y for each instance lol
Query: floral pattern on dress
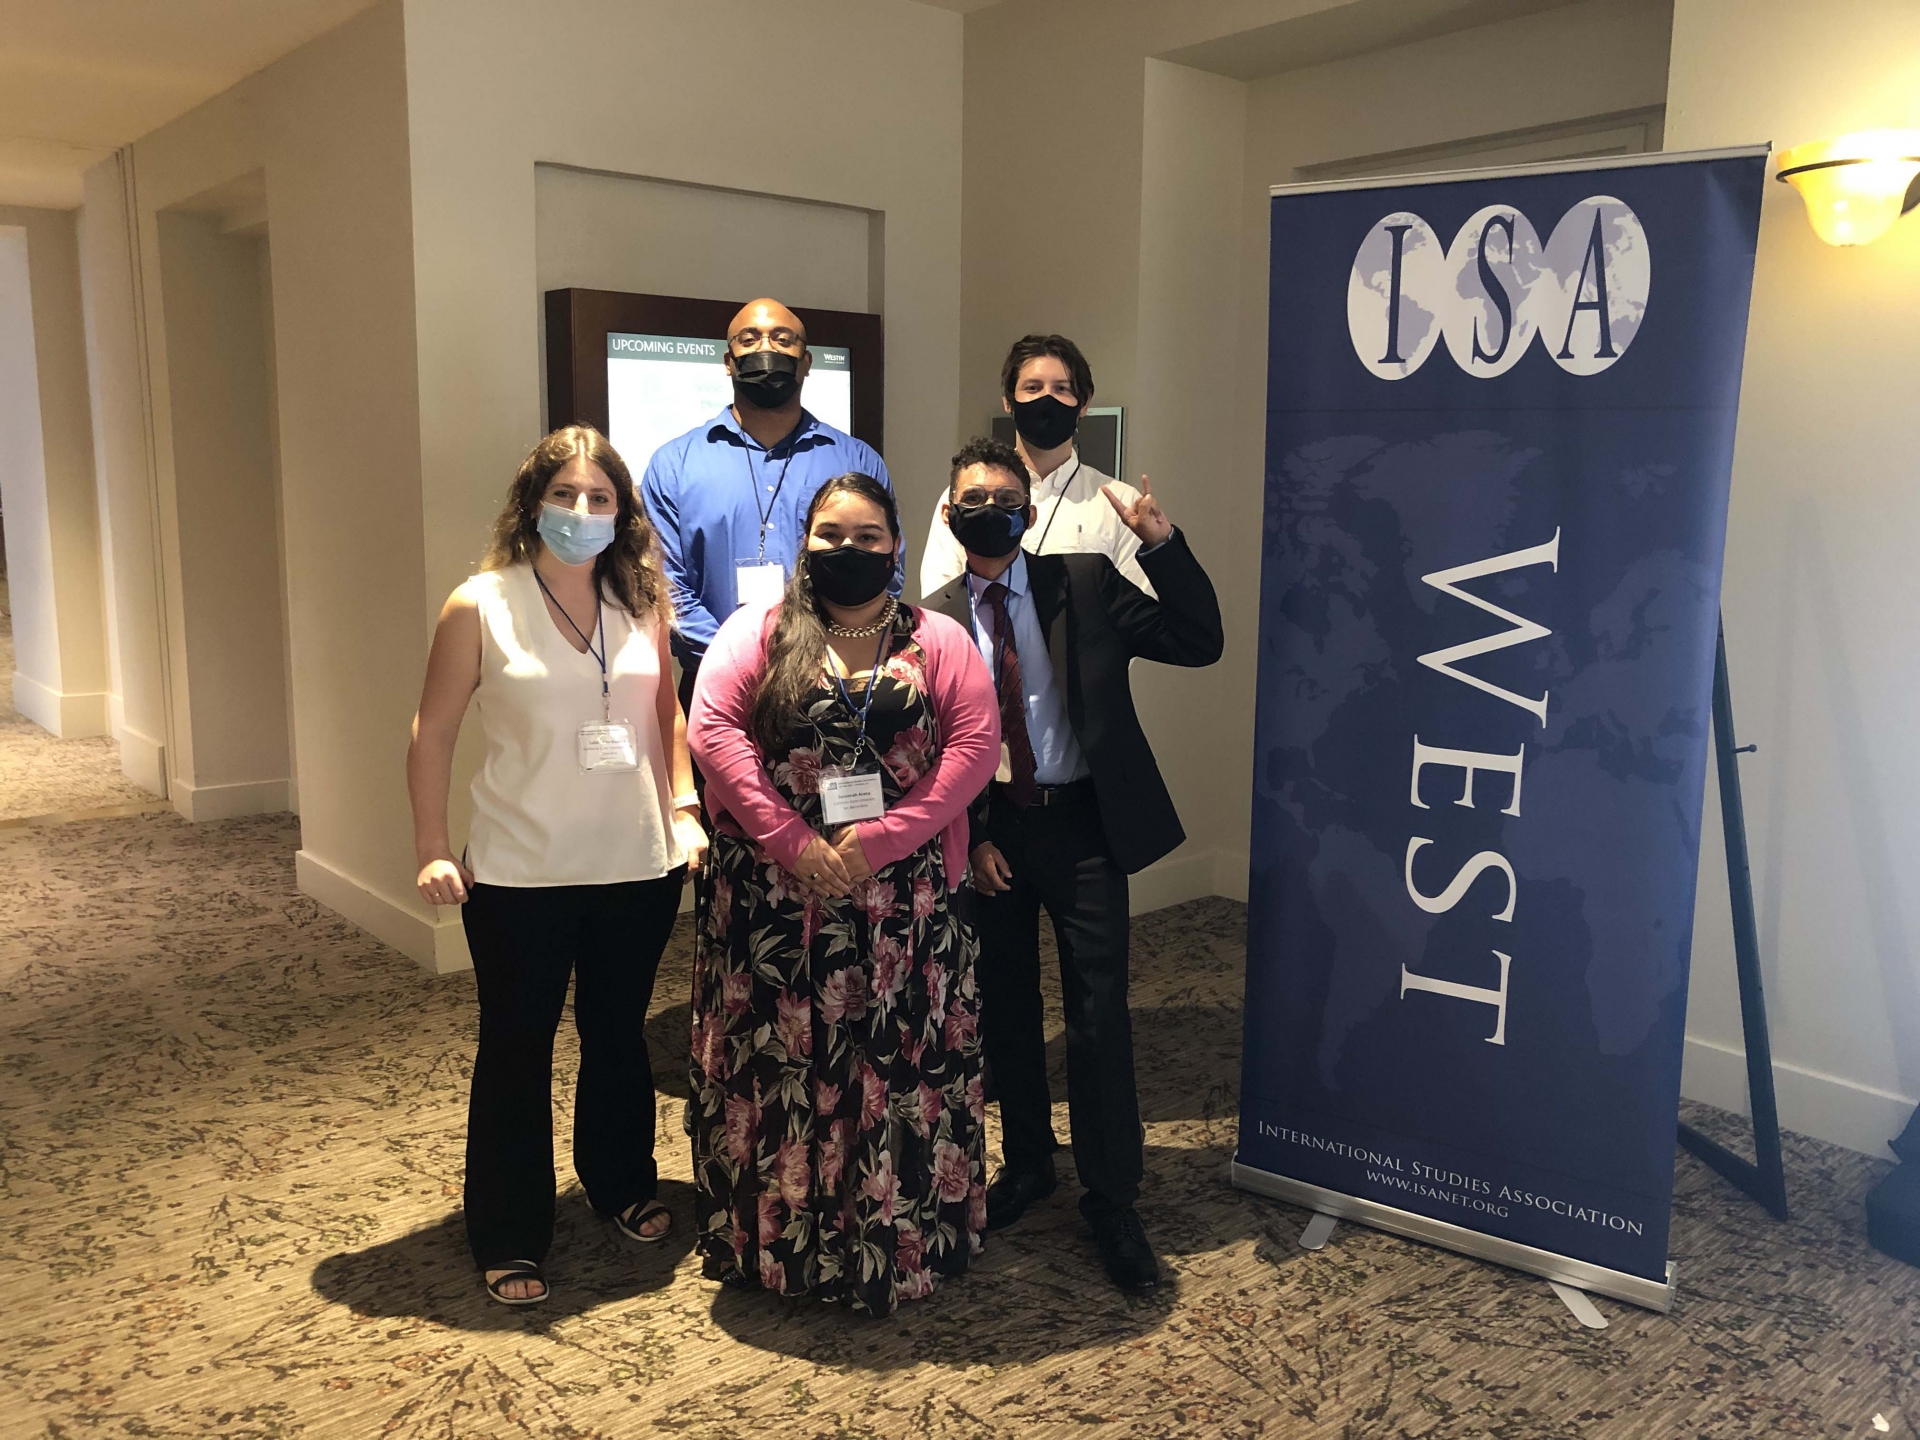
(838, 1116)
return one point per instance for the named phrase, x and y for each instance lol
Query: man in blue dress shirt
(729, 497)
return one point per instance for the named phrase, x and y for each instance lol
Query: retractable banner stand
(1499, 438)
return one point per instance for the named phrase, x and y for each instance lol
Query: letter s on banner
(1497, 288)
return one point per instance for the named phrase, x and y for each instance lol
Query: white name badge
(609, 748)
(847, 798)
(757, 582)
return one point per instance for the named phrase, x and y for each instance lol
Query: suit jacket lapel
(952, 603)
(1047, 574)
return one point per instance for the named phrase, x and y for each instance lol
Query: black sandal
(639, 1213)
(515, 1270)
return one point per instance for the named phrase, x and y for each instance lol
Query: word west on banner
(1499, 441)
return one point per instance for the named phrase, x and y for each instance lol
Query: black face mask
(766, 378)
(986, 529)
(848, 575)
(1044, 422)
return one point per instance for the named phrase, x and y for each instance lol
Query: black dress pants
(1059, 857)
(525, 942)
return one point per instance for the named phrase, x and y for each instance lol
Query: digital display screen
(660, 386)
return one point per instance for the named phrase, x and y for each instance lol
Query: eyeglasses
(1005, 499)
(780, 338)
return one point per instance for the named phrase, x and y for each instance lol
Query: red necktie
(1021, 789)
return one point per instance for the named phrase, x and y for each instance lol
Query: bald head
(766, 323)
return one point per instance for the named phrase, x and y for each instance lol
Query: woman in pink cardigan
(837, 1114)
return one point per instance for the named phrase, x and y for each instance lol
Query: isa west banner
(1500, 433)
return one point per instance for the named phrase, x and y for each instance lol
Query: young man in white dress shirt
(1047, 386)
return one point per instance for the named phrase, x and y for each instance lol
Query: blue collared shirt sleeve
(660, 493)
(872, 464)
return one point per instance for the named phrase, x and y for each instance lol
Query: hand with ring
(444, 881)
(821, 868)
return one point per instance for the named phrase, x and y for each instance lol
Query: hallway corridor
(41, 774)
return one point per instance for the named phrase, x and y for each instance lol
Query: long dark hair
(628, 571)
(798, 643)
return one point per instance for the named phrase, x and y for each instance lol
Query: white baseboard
(71, 717)
(436, 945)
(1827, 1107)
(143, 760)
(227, 802)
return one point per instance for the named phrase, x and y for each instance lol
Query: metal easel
(1764, 1177)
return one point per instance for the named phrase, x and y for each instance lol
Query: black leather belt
(1045, 795)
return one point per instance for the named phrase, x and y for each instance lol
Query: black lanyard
(766, 512)
(873, 679)
(606, 699)
(1040, 548)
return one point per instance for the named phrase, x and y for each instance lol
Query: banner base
(1634, 1289)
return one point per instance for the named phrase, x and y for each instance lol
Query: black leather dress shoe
(1012, 1191)
(1125, 1252)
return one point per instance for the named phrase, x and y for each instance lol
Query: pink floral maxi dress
(837, 1113)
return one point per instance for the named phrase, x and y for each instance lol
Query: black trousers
(1059, 857)
(525, 942)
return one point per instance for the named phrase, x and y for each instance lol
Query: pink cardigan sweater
(742, 798)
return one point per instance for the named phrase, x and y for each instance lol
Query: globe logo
(1496, 290)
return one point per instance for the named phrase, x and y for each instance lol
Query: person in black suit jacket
(1077, 806)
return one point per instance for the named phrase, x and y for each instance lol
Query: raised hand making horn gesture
(1144, 517)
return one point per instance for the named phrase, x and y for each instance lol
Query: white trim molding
(227, 802)
(69, 716)
(437, 945)
(1826, 1107)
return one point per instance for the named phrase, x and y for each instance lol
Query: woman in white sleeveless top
(584, 827)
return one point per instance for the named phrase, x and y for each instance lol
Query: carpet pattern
(40, 773)
(230, 1155)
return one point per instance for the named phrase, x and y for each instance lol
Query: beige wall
(46, 468)
(327, 127)
(229, 683)
(618, 232)
(123, 476)
(1820, 581)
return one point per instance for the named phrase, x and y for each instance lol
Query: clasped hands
(830, 868)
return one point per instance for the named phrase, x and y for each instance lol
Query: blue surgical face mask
(574, 538)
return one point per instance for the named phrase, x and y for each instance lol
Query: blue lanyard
(873, 679)
(606, 699)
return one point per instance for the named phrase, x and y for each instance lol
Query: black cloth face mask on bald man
(766, 378)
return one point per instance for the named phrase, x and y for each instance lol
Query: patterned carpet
(40, 774)
(230, 1151)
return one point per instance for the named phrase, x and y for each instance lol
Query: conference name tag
(758, 582)
(609, 748)
(846, 798)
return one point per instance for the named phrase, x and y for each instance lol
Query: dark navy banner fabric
(1499, 439)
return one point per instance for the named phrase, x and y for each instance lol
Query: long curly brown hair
(628, 571)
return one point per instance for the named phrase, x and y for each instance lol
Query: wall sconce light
(1857, 186)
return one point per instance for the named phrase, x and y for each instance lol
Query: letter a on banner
(1499, 557)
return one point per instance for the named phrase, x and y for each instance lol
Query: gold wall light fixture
(1857, 186)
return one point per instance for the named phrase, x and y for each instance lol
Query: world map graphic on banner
(1367, 516)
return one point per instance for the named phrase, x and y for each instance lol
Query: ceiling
(79, 78)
